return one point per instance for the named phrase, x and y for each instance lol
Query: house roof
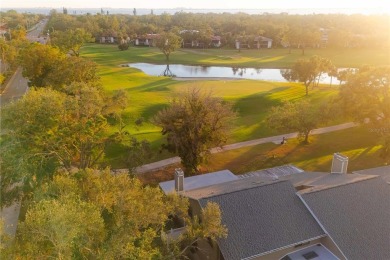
(312, 181)
(383, 171)
(262, 38)
(215, 38)
(356, 216)
(188, 31)
(274, 173)
(114, 34)
(260, 216)
(199, 181)
(148, 36)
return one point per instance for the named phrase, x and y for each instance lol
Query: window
(310, 255)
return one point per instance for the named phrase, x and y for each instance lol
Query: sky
(200, 4)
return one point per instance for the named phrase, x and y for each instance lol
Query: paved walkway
(271, 139)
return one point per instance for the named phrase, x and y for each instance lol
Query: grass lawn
(250, 98)
(264, 58)
(359, 144)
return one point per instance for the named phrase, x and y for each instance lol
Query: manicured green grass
(250, 98)
(359, 144)
(264, 58)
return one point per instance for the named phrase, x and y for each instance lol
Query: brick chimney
(339, 163)
(179, 180)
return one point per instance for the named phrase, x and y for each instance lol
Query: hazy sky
(201, 4)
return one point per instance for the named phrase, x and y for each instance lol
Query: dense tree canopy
(45, 65)
(70, 41)
(38, 62)
(366, 95)
(286, 30)
(8, 55)
(194, 123)
(94, 214)
(15, 20)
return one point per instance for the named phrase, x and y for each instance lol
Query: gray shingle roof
(383, 171)
(320, 181)
(260, 217)
(356, 216)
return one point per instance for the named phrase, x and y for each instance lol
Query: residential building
(262, 42)
(259, 42)
(148, 40)
(287, 213)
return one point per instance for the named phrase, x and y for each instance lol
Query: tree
(323, 66)
(289, 37)
(70, 41)
(168, 43)
(123, 46)
(344, 74)
(206, 226)
(38, 62)
(8, 54)
(18, 34)
(61, 228)
(307, 70)
(309, 36)
(72, 69)
(194, 123)
(46, 66)
(366, 95)
(300, 116)
(2, 78)
(46, 130)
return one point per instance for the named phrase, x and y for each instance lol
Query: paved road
(16, 88)
(271, 139)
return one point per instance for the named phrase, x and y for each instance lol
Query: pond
(190, 71)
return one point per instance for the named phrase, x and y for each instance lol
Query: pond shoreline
(187, 72)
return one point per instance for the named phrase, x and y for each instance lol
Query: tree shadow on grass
(149, 112)
(258, 103)
(159, 85)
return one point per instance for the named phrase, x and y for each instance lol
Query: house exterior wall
(328, 243)
(195, 208)
(325, 241)
(279, 254)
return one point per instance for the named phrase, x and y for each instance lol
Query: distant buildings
(259, 42)
(148, 40)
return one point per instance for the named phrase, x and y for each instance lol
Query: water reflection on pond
(189, 71)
